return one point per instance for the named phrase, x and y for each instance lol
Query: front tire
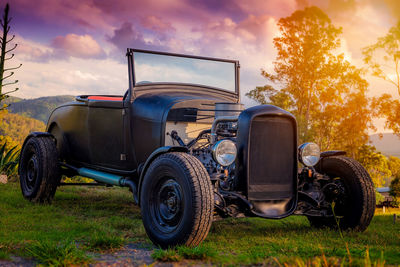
(177, 201)
(38, 169)
(356, 207)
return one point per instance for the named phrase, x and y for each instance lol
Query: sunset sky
(78, 47)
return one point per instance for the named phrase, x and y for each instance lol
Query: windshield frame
(131, 69)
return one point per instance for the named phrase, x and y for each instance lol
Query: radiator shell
(267, 159)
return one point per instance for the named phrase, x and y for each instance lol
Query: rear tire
(38, 169)
(177, 201)
(358, 207)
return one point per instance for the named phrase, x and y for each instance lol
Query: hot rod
(190, 153)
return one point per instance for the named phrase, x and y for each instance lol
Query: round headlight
(309, 154)
(224, 152)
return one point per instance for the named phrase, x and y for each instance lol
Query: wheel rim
(32, 172)
(167, 205)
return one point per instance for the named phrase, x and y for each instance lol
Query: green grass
(57, 254)
(101, 219)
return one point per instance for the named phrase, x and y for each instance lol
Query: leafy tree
(4, 41)
(375, 163)
(395, 188)
(383, 58)
(394, 166)
(324, 91)
(379, 197)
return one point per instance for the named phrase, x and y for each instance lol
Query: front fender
(159, 151)
(332, 153)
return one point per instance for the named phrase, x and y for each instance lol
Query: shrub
(9, 160)
(395, 189)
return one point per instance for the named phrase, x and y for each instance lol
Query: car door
(106, 132)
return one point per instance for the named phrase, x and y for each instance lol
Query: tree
(375, 163)
(324, 91)
(395, 189)
(4, 41)
(394, 166)
(383, 58)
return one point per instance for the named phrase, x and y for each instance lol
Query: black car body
(122, 140)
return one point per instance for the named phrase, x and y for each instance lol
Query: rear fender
(156, 153)
(36, 134)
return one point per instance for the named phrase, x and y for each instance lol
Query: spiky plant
(9, 160)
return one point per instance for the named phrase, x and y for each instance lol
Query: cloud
(157, 25)
(80, 15)
(79, 46)
(73, 77)
(61, 48)
(29, 51)
(127, 36)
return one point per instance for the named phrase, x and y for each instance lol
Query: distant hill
(389, 144)
(37, 108)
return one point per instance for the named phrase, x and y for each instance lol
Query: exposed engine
(204, 148)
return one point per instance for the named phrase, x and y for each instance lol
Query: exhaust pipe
(99, 176)
(106, 178)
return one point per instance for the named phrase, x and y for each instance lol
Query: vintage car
(190, 153)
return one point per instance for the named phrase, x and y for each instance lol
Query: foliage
(389, 108)
(77, 179)
(4, 253)
(383, 58)
(9, 160)
(17, 127)
(379, 197)
(375, 163)
(323, 90)
(395, 188)
(57, 254)
(5, 51)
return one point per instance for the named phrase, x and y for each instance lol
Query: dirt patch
(17, 261)
(3, 179)
(130, 255)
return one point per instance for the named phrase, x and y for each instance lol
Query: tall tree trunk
(3, 45)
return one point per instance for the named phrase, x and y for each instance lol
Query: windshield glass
(159, 68)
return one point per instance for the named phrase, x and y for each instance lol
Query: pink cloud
(127, 36)
(83, 14)
(61, 48)
(31, 52)
(157, 24)
(80, 46)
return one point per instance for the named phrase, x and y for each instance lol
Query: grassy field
(83, 220)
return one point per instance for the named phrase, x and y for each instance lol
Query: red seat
(106, 98)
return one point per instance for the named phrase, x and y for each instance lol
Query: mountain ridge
(37, 108)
